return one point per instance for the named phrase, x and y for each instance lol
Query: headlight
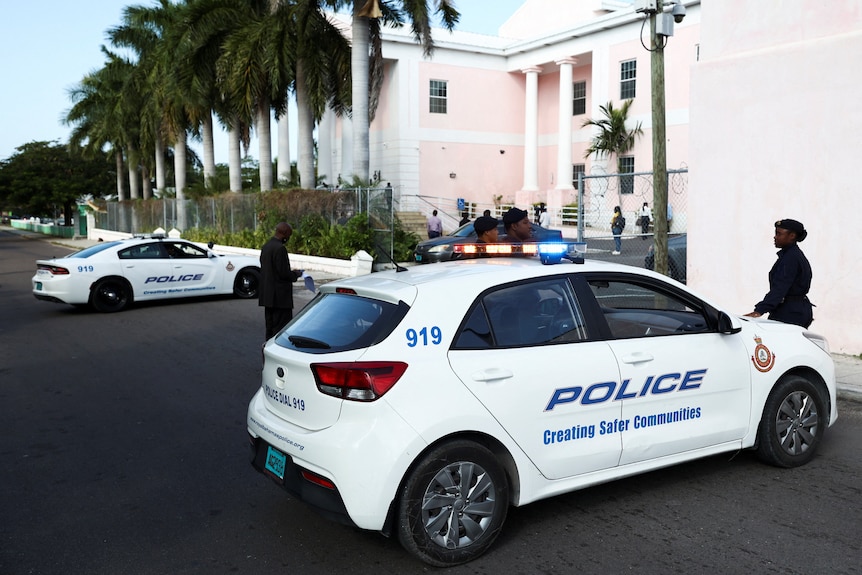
(443, 248)
(817, 340)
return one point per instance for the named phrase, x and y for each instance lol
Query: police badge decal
(763, 358)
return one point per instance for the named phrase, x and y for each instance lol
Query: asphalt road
(123, 450)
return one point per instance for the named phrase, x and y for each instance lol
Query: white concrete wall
(775, 133)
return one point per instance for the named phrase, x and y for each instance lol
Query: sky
(48, 46)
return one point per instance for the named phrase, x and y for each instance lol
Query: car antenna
(398, 267)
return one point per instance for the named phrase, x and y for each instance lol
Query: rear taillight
(357, 381)
(56, 270)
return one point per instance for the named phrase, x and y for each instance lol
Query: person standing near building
(789, 279)
(276, 281)
(435, 226)
(618, 223)
(545, 218)
(644, 216)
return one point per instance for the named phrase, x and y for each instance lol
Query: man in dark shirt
(276, 279)
(789, 279)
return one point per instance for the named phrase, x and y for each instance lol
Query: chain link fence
(233, 213)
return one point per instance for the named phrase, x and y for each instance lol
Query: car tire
(246, 285)
(110, 295)
(793, 423)
(453, 504)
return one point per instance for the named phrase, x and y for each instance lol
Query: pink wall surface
(478, 100)
(775, 134)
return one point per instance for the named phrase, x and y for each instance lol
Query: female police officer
(789, 279)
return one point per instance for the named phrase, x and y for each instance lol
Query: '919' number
(413, 337)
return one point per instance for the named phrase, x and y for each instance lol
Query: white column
(531, 130)
(564, 138)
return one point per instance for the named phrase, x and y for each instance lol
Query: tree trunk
(146, 188)
(306, 132)
(160, 165)
(234, 160)
(283, 159)
(121, 183)
(134, 190)
(180, 179)
(359, 63)
(209, 152)
(264, 142)
(180, 150)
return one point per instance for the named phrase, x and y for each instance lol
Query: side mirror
(728, 324)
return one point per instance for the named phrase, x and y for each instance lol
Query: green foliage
(316, 235)
(42, 178)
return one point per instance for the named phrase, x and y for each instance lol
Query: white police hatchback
(425, 402)
(110, 276)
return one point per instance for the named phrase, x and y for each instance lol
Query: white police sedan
(425, 402)
(109, 276)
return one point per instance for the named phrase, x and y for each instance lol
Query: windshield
(464, 231)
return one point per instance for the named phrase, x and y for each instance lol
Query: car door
(193, 272)
(526, 353)
(146, 266)
(686, 386)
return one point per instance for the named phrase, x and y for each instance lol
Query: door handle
(637, 357)
(492, 374)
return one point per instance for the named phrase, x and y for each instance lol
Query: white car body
(558, 416)
(111, 275)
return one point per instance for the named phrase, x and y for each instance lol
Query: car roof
(485, 271)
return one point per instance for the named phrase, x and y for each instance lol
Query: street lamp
(661, 28)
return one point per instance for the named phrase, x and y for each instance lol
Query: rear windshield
(340, 322)
(93, 250)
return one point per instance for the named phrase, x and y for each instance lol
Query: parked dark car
(677, 249)
(441, 250)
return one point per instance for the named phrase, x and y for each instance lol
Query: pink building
(499, 119)
(760, 104)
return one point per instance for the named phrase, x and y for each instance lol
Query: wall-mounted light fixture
(452, 175)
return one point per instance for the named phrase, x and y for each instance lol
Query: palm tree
(93, 126)
(322, 56)
(367, 60)
(106, 110)
(150, 33)
(612, 136)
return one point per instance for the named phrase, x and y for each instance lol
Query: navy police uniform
(789, 282)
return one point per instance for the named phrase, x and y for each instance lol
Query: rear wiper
(302, 341)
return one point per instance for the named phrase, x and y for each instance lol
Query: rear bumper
(327, 502)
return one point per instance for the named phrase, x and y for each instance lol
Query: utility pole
(659, 143)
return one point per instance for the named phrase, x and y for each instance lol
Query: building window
(579, 105)
(438, 97)
(576, 169)
(627, 166)
(628, 77)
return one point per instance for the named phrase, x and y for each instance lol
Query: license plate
(38, 286)
(275, 462)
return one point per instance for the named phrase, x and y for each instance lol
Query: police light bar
(548, 252)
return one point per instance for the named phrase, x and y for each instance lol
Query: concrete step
(413, 222)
